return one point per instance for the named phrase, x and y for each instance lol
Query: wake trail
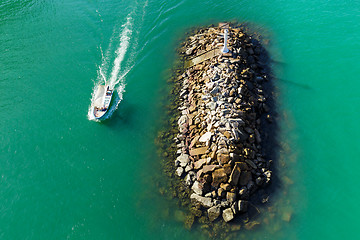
(120, 63)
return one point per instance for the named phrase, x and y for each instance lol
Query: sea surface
(65, 176)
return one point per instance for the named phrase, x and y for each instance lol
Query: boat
(102, 101)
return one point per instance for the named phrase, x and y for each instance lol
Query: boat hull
(102, 101)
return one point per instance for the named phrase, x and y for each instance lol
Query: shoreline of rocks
(220, 154)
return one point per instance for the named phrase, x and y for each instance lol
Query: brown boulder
(219, 176)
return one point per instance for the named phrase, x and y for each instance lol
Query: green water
(66, 177)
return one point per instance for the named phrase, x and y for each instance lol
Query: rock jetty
(222, 104)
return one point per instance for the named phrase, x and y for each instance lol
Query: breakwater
(222, 149)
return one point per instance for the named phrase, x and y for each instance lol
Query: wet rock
(245, 177)
(228, 215)
(206, 202)
(179, 171)
(214, 213)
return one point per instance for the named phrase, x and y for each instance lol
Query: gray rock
(228, 215)
(182, 160)
(179, 171)
(214, 213)
(188, 180)
(206, 202)
(197, 188)
(211, 105)
(205, 137)
(188, 168)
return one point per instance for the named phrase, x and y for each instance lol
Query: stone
(225, 186)
(205, 137)
(242, 206)
(182, 160)
(211, 105)
(235, 175)
(182, 120)
(245, 177)
(188, 180)
(251, 163)
(243, 193)
(206, 202)
(194, 141)
(231, 197)
(223, 158)
(227, 168)
(179, 171)
(218, 177)
(200, 163)
(213, 213)
(221, 192)
(228, 215)
(227, 134)
(198, 151)
(197, 188)
(188, 168)
(209, 168)
(234, 208)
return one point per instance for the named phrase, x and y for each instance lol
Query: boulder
(213, 213)
(225, 186)
(242, 206)
(235, 175)
(206, 202)
(228, 215)
(218, 176)
(182, 160)
(205, 137)
(179, 171)
(198, 164)
(223, 158)
(198, 151)
(209, 168)
(245, 177)
(231, 197)
(197, 188)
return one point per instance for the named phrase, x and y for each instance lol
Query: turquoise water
(66, 177)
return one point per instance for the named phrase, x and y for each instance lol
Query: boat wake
(115, 67)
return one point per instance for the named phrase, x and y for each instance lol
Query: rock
(200, 163)
(225, 186)
(221, 192)
(243, 193)
(242, 206)
(227, 134)
(228, 215)
(245, 177)
(206, 202)
(223, 158)
(179, 171)
(235, 175)
(251, 163)
(188, 180)
(197, 188)
(182, 160)
(218, 177)
(188, 168)
(211, 105)
(198, 151)
(182, 120)
(213, 213)
(234, 208)
(205, 137)
(251, 225)
(231, 197)
(209, 168)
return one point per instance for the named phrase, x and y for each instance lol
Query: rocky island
(222, 112)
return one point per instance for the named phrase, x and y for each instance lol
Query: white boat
(102, 101)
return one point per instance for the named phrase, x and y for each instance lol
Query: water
(65, 177)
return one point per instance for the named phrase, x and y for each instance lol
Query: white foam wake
(115, 78)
